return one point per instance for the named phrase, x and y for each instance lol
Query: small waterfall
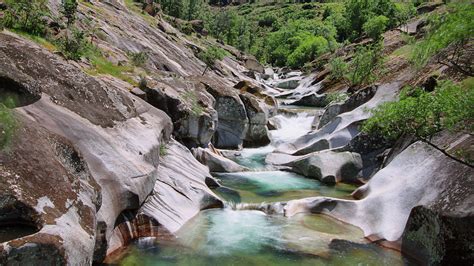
(267, 208)
(291, 128)
(131, 226)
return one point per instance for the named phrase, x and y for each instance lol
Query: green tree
(69, 8)
(73, 44)
(26, 15)
(453, 29)
(422, 114)
(210, 56)
(376, 26)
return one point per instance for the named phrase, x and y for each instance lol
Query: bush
(307, 51)
(365, 64)
(138, 59)
(26, 15)
(69, 8)
(73, 45)
(210, 56)
(338, 68)
(376, 26)
(422, 114)
(359, 12)
(451, 29)
(7, 122)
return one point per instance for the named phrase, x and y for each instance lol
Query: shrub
(451, 29)
(376, 26)
(138, 59)
(210, 56)
(69, 8)
(422, 114)
(26, 15)
(359, 12)
(8, 123)
(307, 51)
(73, 45)
(365, 64)
(338, 68)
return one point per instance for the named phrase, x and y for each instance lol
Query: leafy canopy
(422, 114)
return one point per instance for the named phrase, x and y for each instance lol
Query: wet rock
(355, 100)
(289, 84)
(180, 191)
(311, 100)
(216, 162)
(327, 166)
(343, 128)
(418, 176)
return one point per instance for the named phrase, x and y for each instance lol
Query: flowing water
(241, 236)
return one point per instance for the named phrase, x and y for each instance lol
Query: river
(239, 235)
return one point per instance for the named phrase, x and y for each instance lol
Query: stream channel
(236, 235)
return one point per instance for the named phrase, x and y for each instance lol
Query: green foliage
(73, 45)
(193, 103)
(336, 97)
(454, 27)
(8, 123)
(366, 63)
(422, 114)
(211, 55)
(69, 8)
(26, 15)
(301, 41)
(100, 65)
(338, 68)
(163, 150)
(138, 59)
(359, 12)
(376, 26)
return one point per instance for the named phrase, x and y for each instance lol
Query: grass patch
(100, 65)
(132, 5)
(192, 102)
(404, 51)
(37, 39)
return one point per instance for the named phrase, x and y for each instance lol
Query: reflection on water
(272, 186)
(228, 237)
(249, 237)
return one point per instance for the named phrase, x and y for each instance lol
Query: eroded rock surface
(418, 176)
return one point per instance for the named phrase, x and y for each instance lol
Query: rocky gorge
(172, 163)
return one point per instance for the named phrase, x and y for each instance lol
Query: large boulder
(216, 162)
(418, 176)
(233, 122)
(439, 238)
(257, 113)
(329, 167)
(189, 106)
(354, 101)
(85, 152)
(181, 189)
